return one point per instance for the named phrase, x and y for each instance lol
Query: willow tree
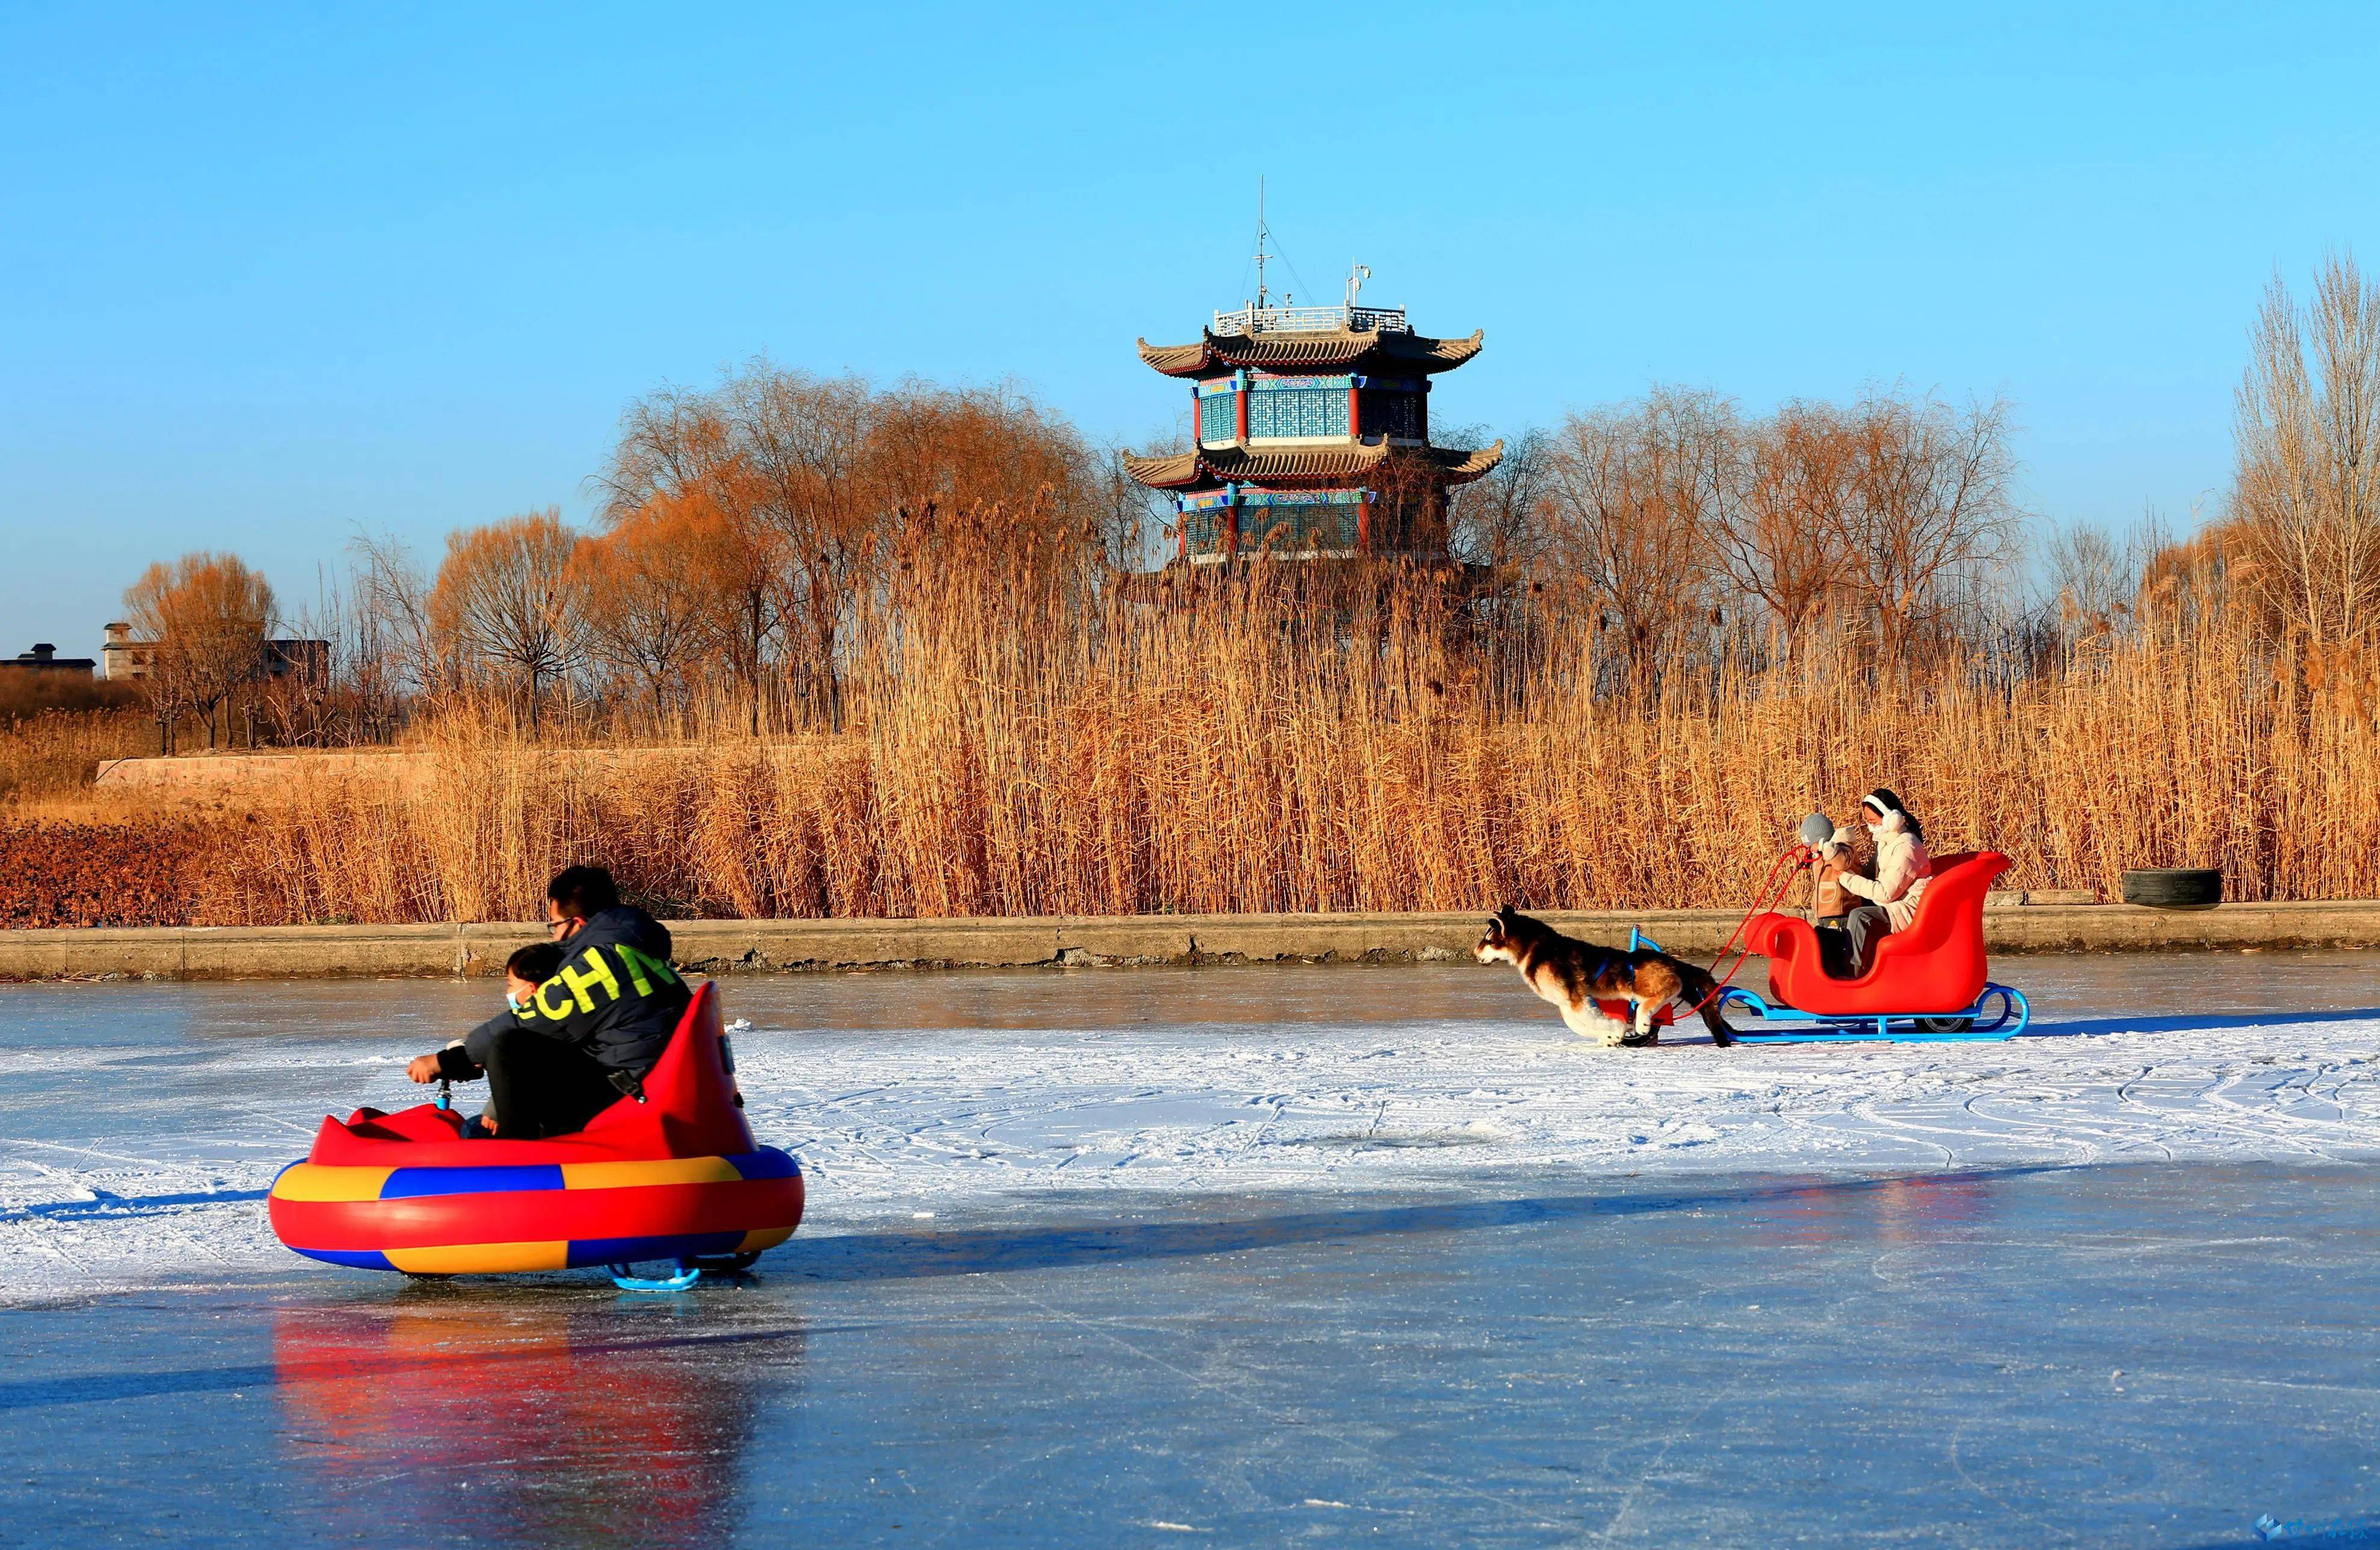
(208, 615)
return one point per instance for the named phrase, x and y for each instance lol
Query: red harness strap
(1770, 894)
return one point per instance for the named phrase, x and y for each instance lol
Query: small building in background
(121, 658)
(298, 658)
(45, 659)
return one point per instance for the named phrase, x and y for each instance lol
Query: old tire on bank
(2175, 888)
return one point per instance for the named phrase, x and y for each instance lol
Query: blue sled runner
(2008, 1014)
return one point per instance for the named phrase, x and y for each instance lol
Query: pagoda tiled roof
(1295, 467)
(1301, 351)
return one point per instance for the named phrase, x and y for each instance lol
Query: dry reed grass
(54, 751)
(1024, 744)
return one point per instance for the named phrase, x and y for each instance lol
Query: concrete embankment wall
(766, 946)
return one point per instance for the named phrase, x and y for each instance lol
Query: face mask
(513, 1001)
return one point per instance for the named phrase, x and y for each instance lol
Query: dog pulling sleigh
(1929, 981)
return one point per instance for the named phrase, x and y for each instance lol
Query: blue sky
(269, 275)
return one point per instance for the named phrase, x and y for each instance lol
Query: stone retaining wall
(766, 946)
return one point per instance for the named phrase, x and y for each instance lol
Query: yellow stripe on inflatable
(763, 1238)
(661, 1171)
(481, 1259)
(329, 1181)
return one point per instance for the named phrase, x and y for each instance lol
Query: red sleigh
(1928, 981)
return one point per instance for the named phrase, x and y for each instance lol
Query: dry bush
(29, 694)
(105, 874)
(472, 827)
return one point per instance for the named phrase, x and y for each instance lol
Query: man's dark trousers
(539, 1086)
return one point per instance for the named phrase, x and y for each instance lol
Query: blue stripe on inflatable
(766, 1163)
(407, 1183)
(354, 1259)
(629, 1251)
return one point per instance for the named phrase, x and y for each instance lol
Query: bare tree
(399, 633)
(804, 442)
(1128, 520)
(296, 700)
(682, 449)
(2095, 581)
(1166, 439)
(1785, 532)
(1931, 512)
(510, 595)
(652, 606)
(1633, 498)
(2306, 495)
(1500, 519)
(209, 615)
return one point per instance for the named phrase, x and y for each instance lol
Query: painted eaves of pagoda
(1312, 435)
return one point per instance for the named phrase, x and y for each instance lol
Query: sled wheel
(1946, 1024)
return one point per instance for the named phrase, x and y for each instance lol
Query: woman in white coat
(1901, 868)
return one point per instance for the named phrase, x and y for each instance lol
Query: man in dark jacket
(586, 1037)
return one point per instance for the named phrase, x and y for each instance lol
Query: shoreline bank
(723, 947)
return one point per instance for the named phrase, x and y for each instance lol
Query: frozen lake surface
(1268, 1255)
(141, 1124)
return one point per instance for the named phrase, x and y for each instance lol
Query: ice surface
(1248, 1256)
(139, 1125)
(2149, 1356)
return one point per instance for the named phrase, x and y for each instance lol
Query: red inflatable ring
(677, 1176)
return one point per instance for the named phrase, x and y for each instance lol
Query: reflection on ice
(507, 1419)
(2145, 1356)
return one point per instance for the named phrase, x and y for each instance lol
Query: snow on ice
(138, 1136)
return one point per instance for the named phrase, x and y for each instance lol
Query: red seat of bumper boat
(1936, 966)
(677, 1176)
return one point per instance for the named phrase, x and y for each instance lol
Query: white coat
(1902, 868)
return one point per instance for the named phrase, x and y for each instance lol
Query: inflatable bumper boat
(676, 1178)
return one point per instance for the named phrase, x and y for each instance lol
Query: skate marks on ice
(139, 1134)
(946, 1116)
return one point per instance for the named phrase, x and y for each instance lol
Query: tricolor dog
(1574, 975)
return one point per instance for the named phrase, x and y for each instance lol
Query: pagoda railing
(1311, 319)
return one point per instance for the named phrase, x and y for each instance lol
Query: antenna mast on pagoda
(1260, 240)
(1311, 431)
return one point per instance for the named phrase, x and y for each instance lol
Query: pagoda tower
(1312, 434)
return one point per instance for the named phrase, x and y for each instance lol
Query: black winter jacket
(616, 998)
